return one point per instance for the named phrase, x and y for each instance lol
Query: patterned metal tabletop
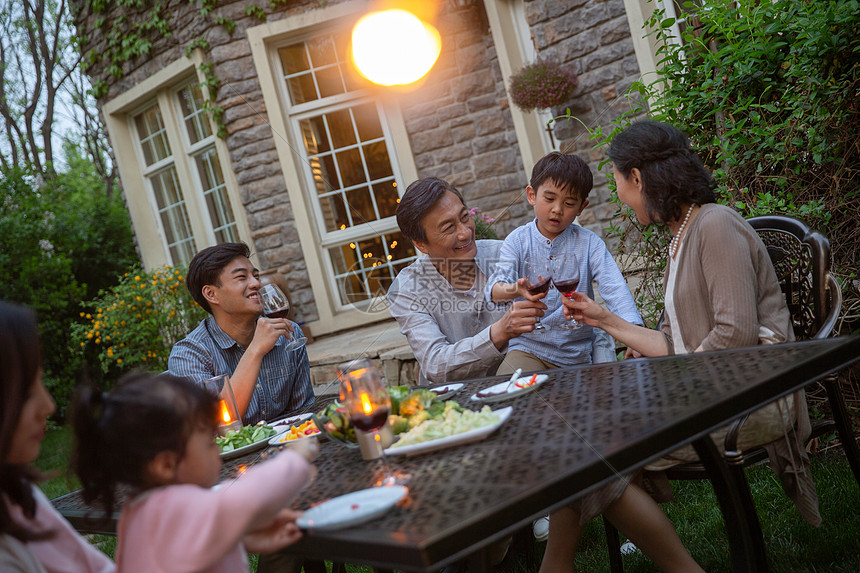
(569, 436)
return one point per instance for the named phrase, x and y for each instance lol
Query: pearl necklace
(676, 239)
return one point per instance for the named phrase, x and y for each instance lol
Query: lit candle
(225, 420)
(225, 413)
(365, 404)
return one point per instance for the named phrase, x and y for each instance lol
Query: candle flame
(225, 413)
(366, 405)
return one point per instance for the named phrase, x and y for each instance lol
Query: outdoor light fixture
(394, 47)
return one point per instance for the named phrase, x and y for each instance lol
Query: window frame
(265, 41)
(164, 88)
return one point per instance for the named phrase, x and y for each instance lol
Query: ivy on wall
(129, 36)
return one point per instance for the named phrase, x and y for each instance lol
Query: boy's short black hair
(206, 266)
(569, 172)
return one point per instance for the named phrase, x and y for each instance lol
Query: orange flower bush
(136, 323)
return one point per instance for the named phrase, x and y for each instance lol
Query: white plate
(283, 425)
(276, 439)
(513, 390)
(352, 508)
(446, 391)
(259, 444)
(467, 437)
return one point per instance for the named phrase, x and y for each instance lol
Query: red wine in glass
(276, 305)
(366, 399)
(567, 288)
(278, 313)
(538, 276)
(370, 422)
(566, 280)
(539, 287)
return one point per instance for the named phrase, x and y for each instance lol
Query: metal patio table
(583, 427)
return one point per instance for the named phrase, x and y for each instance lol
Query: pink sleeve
(66, 551)
(193, 528)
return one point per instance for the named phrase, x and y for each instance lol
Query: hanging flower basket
(542, 84)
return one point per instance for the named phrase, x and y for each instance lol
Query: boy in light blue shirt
(558, 191)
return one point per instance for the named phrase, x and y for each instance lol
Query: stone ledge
(381, 342)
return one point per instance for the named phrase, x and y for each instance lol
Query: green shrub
(136, 323)
(61, 238)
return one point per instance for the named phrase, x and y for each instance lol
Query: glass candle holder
(228, 411)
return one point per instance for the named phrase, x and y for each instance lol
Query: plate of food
(409, 408)
(285, 423)
(295, 432)
(456, 429)
(244, 440)
(446, 391)
(352, 509)
(507, 389)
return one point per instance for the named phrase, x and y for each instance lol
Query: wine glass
(538, 276)
(276, 305)
(565, 278)
(368, 404)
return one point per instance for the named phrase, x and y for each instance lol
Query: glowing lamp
(394, 47)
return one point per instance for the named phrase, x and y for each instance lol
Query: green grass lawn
(792, 544)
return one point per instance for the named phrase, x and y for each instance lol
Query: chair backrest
(801, 258)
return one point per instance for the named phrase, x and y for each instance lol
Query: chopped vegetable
(307, 428)
(455, 421)
(416, 401)
(531, 382)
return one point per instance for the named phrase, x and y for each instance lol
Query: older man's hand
(519, 319)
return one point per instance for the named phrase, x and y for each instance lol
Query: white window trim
(119, 115)
(645, 48)
(515, 50)
(264, 39)
(329, 238)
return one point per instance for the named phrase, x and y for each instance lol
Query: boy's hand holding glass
(537, 279)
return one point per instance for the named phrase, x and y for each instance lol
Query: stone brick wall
(459, 124)
(593, 37)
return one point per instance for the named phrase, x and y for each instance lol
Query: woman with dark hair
(720, 291)
(33, 536)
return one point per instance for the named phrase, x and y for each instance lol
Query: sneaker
(628, 547)
(540, 528)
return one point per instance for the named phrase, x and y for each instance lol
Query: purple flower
(542, 84)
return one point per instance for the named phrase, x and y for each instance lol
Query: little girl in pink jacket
(155, 434)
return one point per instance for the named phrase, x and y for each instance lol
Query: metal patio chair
(801, 258)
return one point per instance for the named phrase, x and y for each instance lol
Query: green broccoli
(416, 401)
(397, 394)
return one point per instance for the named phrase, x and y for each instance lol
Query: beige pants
(519, 359)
